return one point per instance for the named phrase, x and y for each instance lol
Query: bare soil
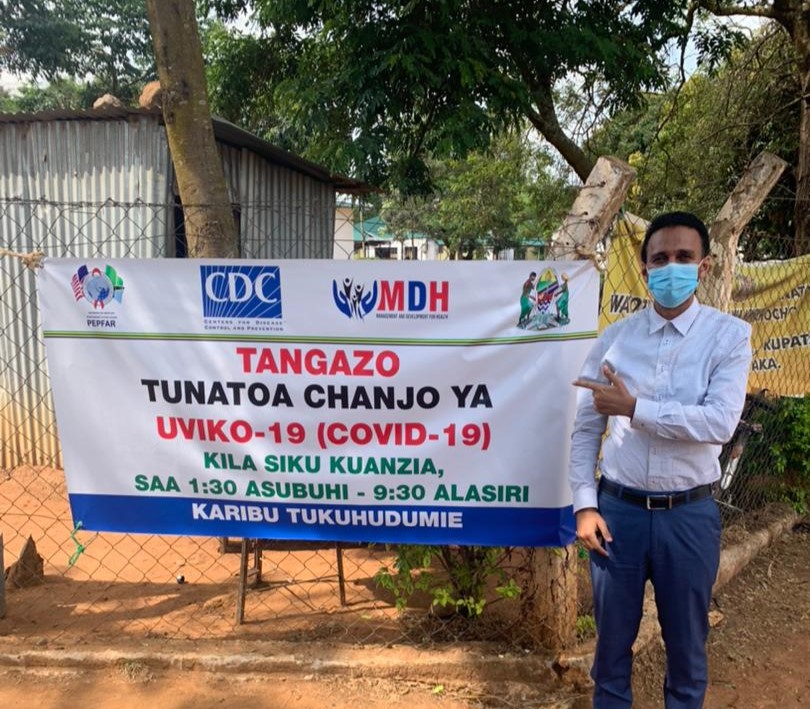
(759, 647)
(758, 651)
(122, 593)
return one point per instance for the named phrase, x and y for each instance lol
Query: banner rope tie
(80, 548)
(593, 256)
(31, 260)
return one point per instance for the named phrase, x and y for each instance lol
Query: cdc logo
(241, 291)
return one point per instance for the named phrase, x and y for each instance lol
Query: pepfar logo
(241, 291)
(97, 287)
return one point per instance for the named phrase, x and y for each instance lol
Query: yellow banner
(774, 296)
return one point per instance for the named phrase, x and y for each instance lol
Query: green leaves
(487, 202)
(106, 39)
(691, 146)
(376, 89)
(462, 586)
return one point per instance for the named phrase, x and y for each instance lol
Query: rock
(151, 95)
(107, 100)
(28, 569)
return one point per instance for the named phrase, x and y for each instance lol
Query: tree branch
(721, 9)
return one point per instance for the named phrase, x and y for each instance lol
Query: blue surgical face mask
(671, 285)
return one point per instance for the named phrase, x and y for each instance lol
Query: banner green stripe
(191, 337)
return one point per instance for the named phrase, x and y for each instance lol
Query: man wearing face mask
(667, 386)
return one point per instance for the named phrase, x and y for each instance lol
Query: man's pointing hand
(611, 399)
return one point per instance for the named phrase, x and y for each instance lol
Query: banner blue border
(481, 526)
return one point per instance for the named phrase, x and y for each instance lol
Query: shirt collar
(682, 323)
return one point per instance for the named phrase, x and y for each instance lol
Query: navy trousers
(679, 551)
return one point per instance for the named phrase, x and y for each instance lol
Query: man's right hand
(592, 530)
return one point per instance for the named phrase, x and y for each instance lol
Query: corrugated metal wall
(67, 188)
(103, 188)
(283, 213)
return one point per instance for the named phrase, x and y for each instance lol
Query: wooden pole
(241, 587)
(552, 611)
(593, 211)
(742, 204)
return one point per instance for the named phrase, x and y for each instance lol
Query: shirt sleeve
(713, 420)
(586, 440)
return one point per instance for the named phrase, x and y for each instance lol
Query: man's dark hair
(687, 219)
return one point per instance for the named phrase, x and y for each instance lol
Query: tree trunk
(750, 192)
(801, 209)
(552, 612)
(209, 223)
(551, 598)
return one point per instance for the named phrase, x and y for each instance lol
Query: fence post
(740, 206)
(553, 610)
(593, 210)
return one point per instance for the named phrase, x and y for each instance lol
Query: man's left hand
(612, 399)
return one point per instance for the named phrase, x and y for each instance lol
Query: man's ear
(704, 267)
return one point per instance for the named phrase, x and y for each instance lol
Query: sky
(9, 82)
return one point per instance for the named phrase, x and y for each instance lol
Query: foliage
(715, 42)
(105, 39)
(236, 63)
(374, 88)
(692, 145)
(790, 446)
(586, 627)
(792, 17)
(468, 570)
(782, 451)
(61, 94)
(489, 201)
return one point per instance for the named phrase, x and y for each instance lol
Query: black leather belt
(655, 501)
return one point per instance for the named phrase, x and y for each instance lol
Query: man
(668, 385)
(526, 301)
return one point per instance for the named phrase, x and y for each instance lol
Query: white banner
(419, 402)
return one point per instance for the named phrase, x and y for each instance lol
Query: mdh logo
(241, 291)
(355, 300)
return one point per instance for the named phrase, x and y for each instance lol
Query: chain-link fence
(116, 588)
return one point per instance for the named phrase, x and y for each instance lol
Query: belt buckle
(659, 502)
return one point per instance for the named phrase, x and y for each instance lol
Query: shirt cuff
(645, 416)
(585, 497)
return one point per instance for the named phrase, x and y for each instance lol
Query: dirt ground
(119, 689)
(122, 593)
(758, 650)
(759, 647)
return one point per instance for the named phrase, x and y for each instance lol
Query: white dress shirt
(689, 377)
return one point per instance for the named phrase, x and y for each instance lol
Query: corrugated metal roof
(224, 131)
